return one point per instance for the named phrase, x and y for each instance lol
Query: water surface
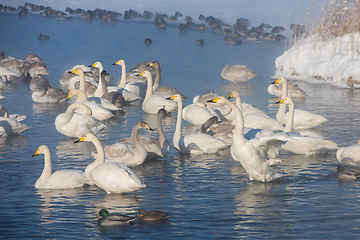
(207, 196)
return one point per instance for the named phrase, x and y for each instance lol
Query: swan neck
(101, 89)
(177, 133)
(160, 130)
(238, 102)
(82, 81)
(123, 76)
(99, 159)
(239, 119)
(46, 173)
(149, 89)
(81, 95)
(157, 79)
(282, 107)
(134, 138)
(71, 109)
(290, 120)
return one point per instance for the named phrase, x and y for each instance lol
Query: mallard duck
(347, 173)
(152, 216)
(108, 219)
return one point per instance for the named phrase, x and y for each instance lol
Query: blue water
(207, 196)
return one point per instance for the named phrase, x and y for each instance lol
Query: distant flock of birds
(232, 34)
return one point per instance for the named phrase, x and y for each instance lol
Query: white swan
(49, 95)
(244, 151)
(105, 103)
(10, 125)
(237, 73)
(72, 81)
(164, 90)
(349, 155)
(152, 103)
(302, 119)
(245, 108)
(198, 113)
(256, 119)
(16, 116)
(304, 142)
(61, 179)
(196, 143)
(291, 89)
(110, 176)
(131, 152)
(75, 125)
(98, 111)
(155, 148)
(100, 90)
(134, 87)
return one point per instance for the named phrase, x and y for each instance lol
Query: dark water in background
(207, 196)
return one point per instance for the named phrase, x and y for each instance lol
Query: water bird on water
(152, 216)
(113, 219)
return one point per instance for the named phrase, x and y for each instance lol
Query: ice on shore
(334, 60)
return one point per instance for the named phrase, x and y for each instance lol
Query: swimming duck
(152, 216)
(347, 172)
(108, 219)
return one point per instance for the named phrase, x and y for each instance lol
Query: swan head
(162, 112)
(71, 94)
(77, 71)
(88, 137)
(155, 64)
(145, 73)
(120, 62)
(97, 65)
(144, 125)
(339, 168)
(358, 142)
(286, 100)
(221, 100)
(279, 80)
(177, 98)
(41, 150)
(103, 213)
(234, 94)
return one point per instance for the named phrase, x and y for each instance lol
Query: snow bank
(335, 60)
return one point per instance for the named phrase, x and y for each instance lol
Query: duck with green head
(108, 219)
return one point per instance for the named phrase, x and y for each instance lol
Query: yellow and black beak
(36, 153)
(80, 140)
(281, 101)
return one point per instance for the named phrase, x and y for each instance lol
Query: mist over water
(274, 12)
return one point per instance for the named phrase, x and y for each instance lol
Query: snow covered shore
(334, 60)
